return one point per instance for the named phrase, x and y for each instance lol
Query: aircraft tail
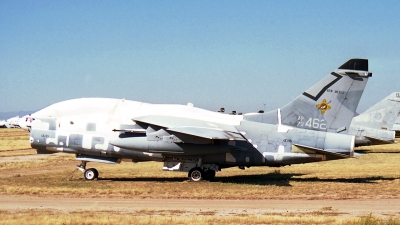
(378, 122)
(329, 105)
(382, 115)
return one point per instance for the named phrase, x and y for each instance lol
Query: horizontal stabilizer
(377, 141)
(321, 151)
(394, 100)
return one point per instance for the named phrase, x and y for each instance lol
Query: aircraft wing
(321, 151)
(209, 133)
(191, 127)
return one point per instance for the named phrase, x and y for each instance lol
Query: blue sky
(233, 54)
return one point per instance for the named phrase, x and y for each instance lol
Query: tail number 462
(313, 123)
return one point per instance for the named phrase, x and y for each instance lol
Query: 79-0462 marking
(312, 123)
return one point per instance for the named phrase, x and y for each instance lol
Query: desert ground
(47, 189)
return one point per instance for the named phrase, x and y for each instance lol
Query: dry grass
(372, 176)
(14, 139)
(390, 148)
(13, 134)
(51, 161)
(17, 152)
(171, 217)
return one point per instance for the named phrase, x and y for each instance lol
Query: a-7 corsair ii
(202, 142)
(379, 124)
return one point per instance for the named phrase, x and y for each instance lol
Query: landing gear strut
(89, 174)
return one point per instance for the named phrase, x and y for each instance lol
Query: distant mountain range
(8, 115)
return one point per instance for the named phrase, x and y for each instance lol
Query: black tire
(209, 174)
(196, 174)
(97, 173)
(91, 174)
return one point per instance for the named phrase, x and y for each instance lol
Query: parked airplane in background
(12, 122)
(378, 124)
(396, 126)
(3, 124)
(201, 142)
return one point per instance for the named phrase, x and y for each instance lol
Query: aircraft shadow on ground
(364, 152)
(262, 179)
(285, 179)
(273, 179)
(145, 179)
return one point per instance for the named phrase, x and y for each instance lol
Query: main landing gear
(198, 174)
(89, 174)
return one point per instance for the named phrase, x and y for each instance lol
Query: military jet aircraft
(3, 124)
(396, 126)
(12, 122)
(378, 124)
(202, 142)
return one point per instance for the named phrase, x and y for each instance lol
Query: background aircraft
(201, 142)
(396, 126)
(378, 124)
(3, 124)
(12, 122)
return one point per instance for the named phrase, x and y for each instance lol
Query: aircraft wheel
(210, 174)
(91, 174)
(196, 174)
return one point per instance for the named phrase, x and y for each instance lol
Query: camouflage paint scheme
(201, 142)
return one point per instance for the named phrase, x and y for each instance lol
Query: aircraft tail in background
(379, 123)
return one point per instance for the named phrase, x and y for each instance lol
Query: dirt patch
(343, 208)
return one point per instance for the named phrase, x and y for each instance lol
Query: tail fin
(382, 115)
(379, 119)
(329, 105)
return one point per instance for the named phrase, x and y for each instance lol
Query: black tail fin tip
(355, 64)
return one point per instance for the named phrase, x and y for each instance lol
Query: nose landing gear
(89, 174)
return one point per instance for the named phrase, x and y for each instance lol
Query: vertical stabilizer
(380, 121)
(329, 105)
(382, 115)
